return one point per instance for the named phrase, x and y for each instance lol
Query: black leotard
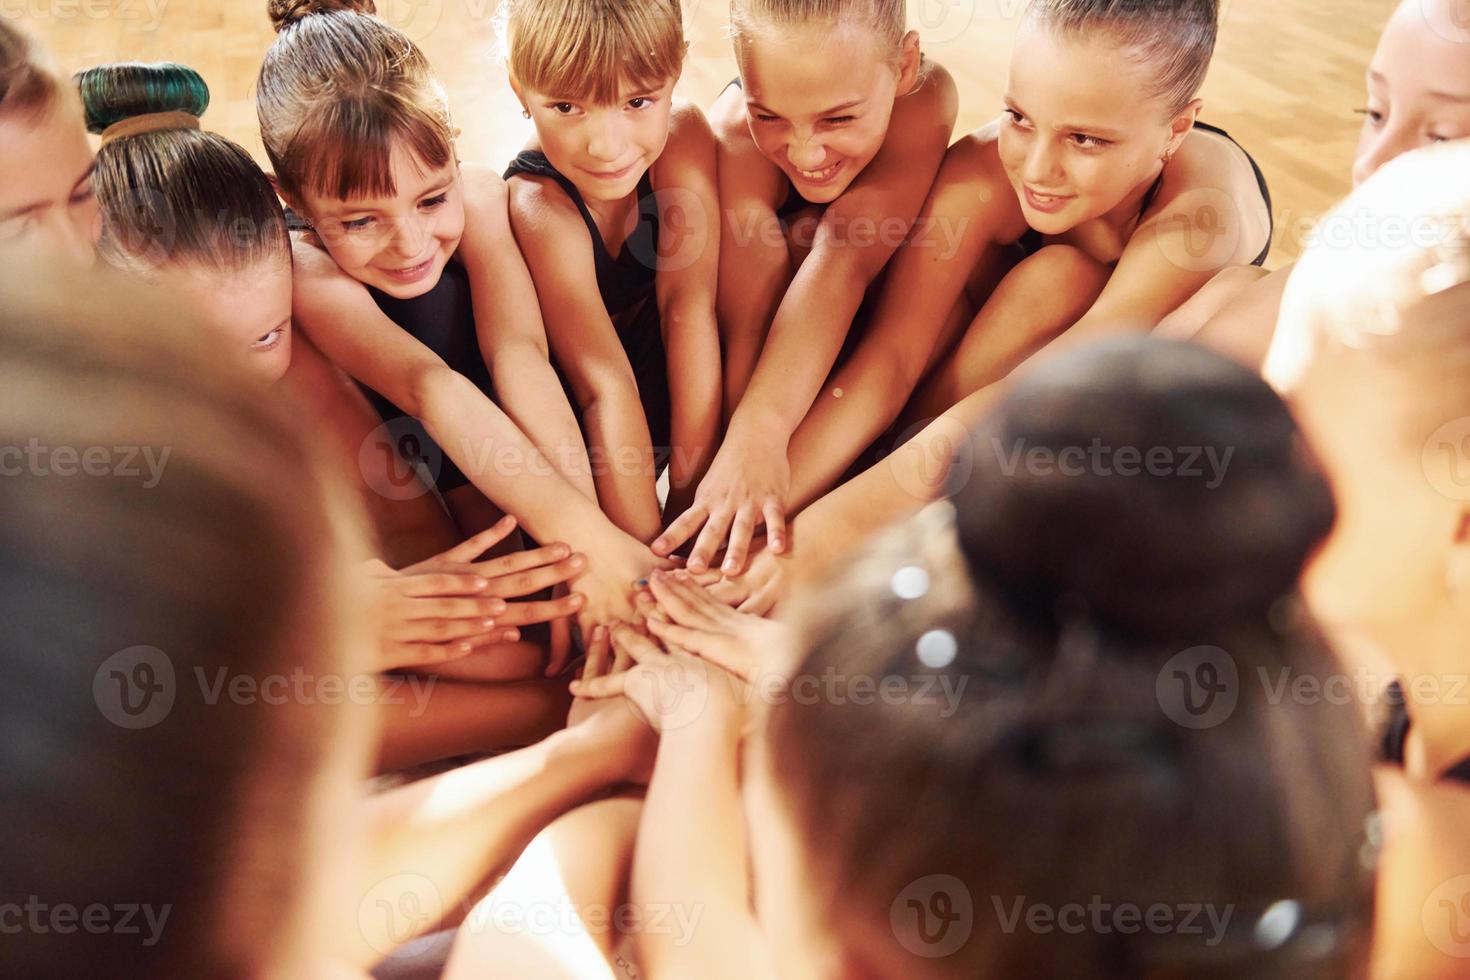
(1396, 734)
(626, 284)
(1032, 240)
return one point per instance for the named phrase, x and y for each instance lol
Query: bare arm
(511, 335)
(689, 248)
(558, 251)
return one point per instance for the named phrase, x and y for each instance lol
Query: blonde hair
(1387, 277)
(888, 19)
(338, 88)
(28, 82)
(588, 49)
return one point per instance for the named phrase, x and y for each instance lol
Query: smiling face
(250, 309)
(46, 199)
(1418, 88)
(604, 149)
(1075, 150)
(397, 243)
(819, 99)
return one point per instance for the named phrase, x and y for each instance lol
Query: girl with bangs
(829, 140)
(408, 277)
(46, 199)
(614, 205)
(1082, 209)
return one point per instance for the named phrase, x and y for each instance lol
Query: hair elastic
(149, 122)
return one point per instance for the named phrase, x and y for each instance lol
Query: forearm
(803, 344)
(502, 463)
(448, 835)
(691, 853)
(622, 455)
(532, 395)
(753, 279)
(693, 348)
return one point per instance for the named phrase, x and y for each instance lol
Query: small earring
(526, 113)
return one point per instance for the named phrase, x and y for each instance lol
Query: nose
(411, 236)
(1042, 163)
(606, 140)
(806, 153)
(1377, 148)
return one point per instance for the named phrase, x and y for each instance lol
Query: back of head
(28, 82)
(1054, 773)
(1177, 35)
(337, 90)
(591, 49)
(170, 192)
(165, 532)
(1158, 486)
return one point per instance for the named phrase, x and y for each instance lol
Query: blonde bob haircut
(590, 50)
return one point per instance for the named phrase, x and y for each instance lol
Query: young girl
(1418, 94)
(189, 211)
(1084, 208)
(1059, 609)
(828, 143)
(1389, 315)
(215, 835)
(614, 205)
(408, 278)
(46, 200)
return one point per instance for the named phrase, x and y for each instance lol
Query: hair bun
(284, 13)
(1154, 487)
(112, 93)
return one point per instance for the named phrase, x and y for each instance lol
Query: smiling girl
(828, 143)
(614, 206)
(46, 199)
(408, 277)
(1084, 206)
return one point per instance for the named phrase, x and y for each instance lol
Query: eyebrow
(26, 209)
(1070, 127)
(843, 107)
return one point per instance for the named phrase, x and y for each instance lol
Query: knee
(1059, 273)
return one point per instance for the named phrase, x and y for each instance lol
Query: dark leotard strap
(626, 284)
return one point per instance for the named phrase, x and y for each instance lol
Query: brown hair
(28, 82)
(588, 49)
(131, 786)
(337, 90)
(1177, 35)
(1066, 757)
(887, 18)
(175, 194)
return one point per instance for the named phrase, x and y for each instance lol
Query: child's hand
(746, 486)
(694, 620)
(619, 562)
(757, 590)
(615, 723)
(670, 689)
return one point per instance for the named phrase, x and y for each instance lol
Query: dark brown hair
(1068, 771)
(28, 83)
(338, 89)
(175, 194)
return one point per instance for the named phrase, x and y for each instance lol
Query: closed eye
(1089, 142)
(435, 201)
(766, 117)
(840, 120)
(357, 224)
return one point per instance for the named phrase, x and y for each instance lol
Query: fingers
(536, 579)
(775, 525)
(476, 545)
(520, 561)
(681, 530)
(710, 539)
(541, 611)
(730, 591)
(740, 534)
(439, 630)
(599, 654)
(485, 607)
(761, 601)
(604, 686)
(675, 601)
(719, 650)
(441, 583)
(635, 646)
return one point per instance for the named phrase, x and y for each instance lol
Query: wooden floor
(1286, 77)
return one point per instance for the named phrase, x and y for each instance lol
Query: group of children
(558, 441)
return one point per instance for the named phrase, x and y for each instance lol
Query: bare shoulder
(691, 144)
(484, 189)
(974, 159)
(1210, 160)
(311, 264)
(727, 117)
(935, 93)
(539, 204)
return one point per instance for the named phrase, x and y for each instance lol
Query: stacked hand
(449, 605)
(687, 616)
